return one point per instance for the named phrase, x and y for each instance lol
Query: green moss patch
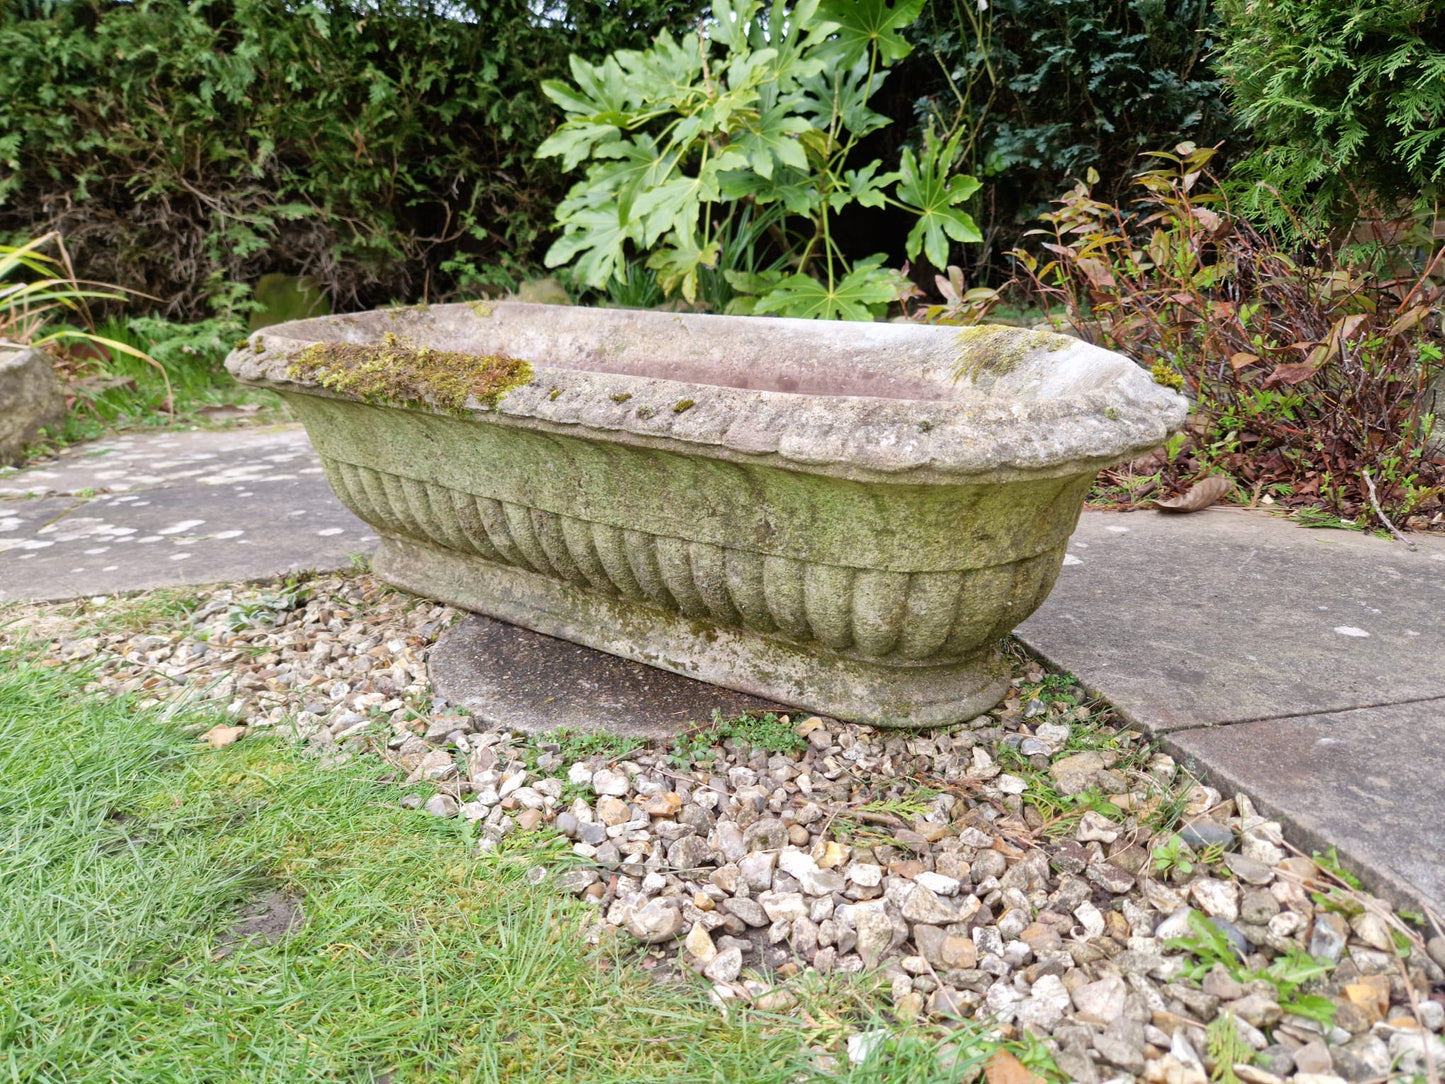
(395, 372)
(995, 350)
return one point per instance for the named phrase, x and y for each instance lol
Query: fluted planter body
(843, 517)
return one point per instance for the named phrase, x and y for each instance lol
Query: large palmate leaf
(934, 194)
(771, 137)
(872, 24)
(862, 186)
(625, 169)
(678, 264)
(843, 92)
(795, 189)
(601, 92)
(862, 294)
(576, 141)
(596, 237)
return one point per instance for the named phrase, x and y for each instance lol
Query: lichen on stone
(996, 350)
(682, 405)
(621, 398)
(399, 373)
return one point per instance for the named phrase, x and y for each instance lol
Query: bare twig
(1375, 503)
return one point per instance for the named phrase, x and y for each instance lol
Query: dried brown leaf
(1004, 1068)
(218, 737)
(1199, 496)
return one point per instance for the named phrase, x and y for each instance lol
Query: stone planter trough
(844, 517)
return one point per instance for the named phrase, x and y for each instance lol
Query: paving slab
(166, 509)
(1228, 615)
(1367, 781)
(505, 675)
(1304, 667)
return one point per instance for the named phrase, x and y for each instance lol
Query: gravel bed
(1040, 868)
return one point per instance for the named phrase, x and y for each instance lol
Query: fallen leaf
(1004, 1068)
(218, 737)
(1241, 359)
(1199, 496)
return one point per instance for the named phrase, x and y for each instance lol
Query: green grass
(128, 853)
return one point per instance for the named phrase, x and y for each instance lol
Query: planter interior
(844, 517)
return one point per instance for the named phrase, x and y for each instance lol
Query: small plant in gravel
(1289, 973)
(1226, 1049)
(271, 606)
(766, 731)
(574, 745)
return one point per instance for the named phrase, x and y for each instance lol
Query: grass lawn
(130, 854)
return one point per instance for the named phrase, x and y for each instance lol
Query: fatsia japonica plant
(724, 160)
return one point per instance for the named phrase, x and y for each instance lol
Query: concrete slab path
(1304, 667)
(146, 510)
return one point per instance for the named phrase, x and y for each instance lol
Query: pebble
(654, 922)
(441, 805)
(1203, 832)
(609, 782)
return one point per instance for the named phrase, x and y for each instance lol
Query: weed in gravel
(1226, 1049)
(163, 608)
(270, 606)
(766, 731)
(1288, 974)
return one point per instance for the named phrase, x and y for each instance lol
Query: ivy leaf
(860, 295)
(865, 24)
(933, 194)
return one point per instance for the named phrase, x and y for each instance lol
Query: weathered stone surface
(1196, 653)
(508, 675)
(1298, 768)
(588, 500)
(143, 510)
(30, 399)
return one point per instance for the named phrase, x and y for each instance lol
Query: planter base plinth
(845, 688)
(509, 676)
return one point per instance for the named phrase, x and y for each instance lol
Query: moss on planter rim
(996, 350)
(394, 372)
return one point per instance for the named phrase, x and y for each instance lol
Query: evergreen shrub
(382, 147)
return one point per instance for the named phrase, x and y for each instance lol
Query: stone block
(30, 400)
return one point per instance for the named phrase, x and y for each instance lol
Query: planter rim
(1028, 402)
